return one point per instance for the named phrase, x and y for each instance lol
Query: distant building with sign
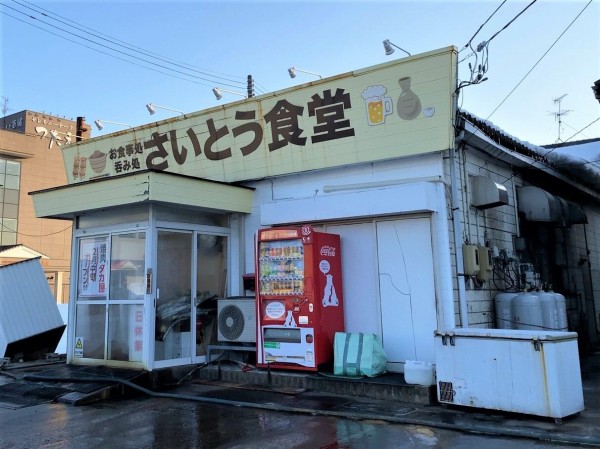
(31, 146)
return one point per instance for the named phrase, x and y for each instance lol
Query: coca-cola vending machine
(299, 297)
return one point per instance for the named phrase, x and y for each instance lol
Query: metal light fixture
(218, 92)
(389, 50)
(292, 71)
(100, 124)
(152, 108)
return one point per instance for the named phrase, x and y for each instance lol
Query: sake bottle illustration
(409, 104)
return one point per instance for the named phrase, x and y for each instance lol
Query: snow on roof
(579, 161)
(20, 251)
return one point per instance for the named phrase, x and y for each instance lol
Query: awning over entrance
(145, 186)
(539, 205)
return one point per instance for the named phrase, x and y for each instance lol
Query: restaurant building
(165, 215)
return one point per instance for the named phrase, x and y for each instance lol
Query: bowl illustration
(98, 161)
(429, 111)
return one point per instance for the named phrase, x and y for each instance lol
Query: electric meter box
(485, 264)
(471, 260)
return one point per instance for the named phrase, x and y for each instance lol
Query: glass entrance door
(173, 322)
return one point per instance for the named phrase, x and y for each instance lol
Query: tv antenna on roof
(558, 115)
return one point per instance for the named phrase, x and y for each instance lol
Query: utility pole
(4, 106)
(250, 86)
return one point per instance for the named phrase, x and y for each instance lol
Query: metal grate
(23, 394)
(446, 392)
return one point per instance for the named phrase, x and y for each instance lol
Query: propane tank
(561, 311)
(549, 311)
(528, 312)
(504, 310)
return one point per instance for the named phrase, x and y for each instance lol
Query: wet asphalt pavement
(196, 416)
(158, 423)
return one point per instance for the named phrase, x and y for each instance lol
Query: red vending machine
(299, 297)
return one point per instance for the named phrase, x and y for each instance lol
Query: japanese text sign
(396, 109)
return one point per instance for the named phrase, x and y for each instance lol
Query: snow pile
(579, 161)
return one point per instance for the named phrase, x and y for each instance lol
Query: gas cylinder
(561, 311)
(527, 310)
(549, 311)
(504, 310)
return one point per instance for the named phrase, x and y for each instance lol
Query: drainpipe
(457, 234)
(444, 267)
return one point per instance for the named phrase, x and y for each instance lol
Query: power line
(6, 228)
(468, 44)
(124, 44)
(508, 24)
(478, 70)
(539, 60)
(583, 129)
(105, 53)
(114, 50)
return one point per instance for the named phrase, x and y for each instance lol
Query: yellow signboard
(400, 108)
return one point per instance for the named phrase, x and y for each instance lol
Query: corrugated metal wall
(27, 306)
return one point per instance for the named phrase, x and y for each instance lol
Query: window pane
(173, 302)
(127, 263)
(89, 331)
(92, 267)
(13, 168)
(211, 281)
(9, 238)
(11, 196)
(2, 166)
(8, 224)
(11, 182)
(11, 211)
(125, 332)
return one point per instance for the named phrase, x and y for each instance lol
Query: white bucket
(419, 373)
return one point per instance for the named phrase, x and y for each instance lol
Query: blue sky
(225, 41)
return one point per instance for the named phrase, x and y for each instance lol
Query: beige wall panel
(414, 116)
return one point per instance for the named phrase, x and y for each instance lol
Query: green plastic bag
(358, 354)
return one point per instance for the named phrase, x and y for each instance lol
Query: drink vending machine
(299, 297)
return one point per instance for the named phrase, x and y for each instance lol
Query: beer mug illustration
(378, 104)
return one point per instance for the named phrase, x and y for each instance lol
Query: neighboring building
(31, 159)
(381, 156)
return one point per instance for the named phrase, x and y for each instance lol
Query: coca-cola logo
(328, 251)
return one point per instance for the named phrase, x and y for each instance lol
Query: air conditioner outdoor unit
(237, 320)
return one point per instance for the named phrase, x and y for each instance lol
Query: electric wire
(99, 34)
(542, 57)
(542, 156)
(468, 44)
(508, 24)
(113, 49)
(6, 228)
(123, 43)
(582, 129)
(106, 53)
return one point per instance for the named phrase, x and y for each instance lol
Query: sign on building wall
(92, 266)
(400, 108)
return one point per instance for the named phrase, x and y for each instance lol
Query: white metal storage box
(522, 371)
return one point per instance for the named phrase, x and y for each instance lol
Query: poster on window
(92, 266)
